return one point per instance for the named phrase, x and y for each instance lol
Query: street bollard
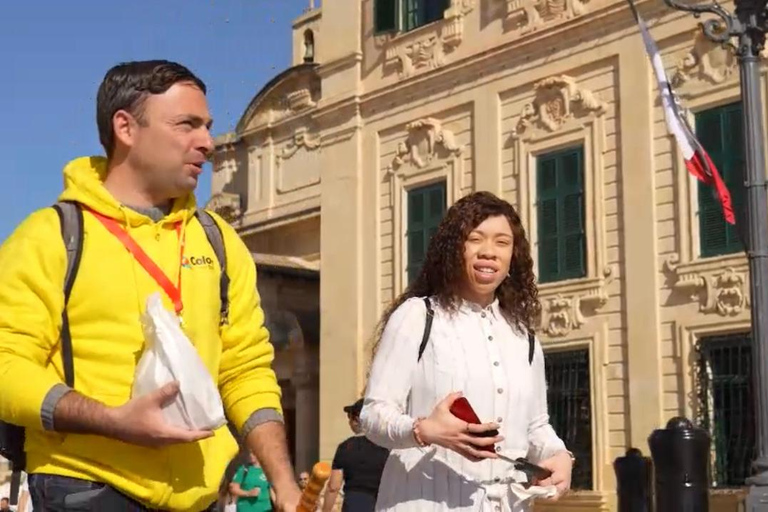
(681, 461)
(633, 481)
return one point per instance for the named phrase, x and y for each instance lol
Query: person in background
(478, 282)
(303, 480)
(5, 505)
(357, 466)
(251, 488)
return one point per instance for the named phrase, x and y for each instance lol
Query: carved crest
(558, 99)
(564, 313)
(707, 62)
(725, 292)
(427, 51)
(301, 138)
(530, 15)
(425, 137)
(227, 205)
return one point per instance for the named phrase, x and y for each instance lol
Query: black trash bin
(681, 463)
(633, 481)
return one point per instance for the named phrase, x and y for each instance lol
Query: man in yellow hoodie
(94, 447)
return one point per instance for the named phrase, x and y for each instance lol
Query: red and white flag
(697, 160)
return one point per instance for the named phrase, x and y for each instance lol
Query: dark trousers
(355, 501)
(54, 493)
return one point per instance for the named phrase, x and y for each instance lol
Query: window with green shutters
(561, 236)
(426, 206)
(413, 13)
(720, 131)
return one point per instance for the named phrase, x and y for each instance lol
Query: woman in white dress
(478, 278)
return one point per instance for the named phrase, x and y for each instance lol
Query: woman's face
(487, 256)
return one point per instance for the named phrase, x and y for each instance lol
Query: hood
(84, 183)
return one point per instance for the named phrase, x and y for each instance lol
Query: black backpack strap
(427, 327)
(71, 219)
(215, 238)
(531, 346)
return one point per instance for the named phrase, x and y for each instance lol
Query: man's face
(170, 141)
(303, 479)
(354, 423)
(5, 504)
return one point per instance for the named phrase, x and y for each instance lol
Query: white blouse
(474, 351)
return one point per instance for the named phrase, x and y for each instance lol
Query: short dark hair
(127, 86)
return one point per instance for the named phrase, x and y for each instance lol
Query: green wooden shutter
(412, 14)
(720, 131)
(417, 13)
(385, 15)
(426, 207)
(561, 234)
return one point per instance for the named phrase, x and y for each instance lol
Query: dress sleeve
(383, 417)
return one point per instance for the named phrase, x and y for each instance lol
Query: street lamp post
(748, 25)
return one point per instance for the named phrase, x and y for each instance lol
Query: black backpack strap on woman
(428, 329)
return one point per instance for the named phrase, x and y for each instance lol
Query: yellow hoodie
(107, 300)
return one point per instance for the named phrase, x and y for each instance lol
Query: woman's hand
(444, 429)
(561, 466)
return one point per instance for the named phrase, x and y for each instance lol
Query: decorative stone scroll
(426, 48)
(530, 15)
(558, 99)
(564, 307)
(707, 63)
(227, 205)
(301, 139)
(423, 143)
(719, 289)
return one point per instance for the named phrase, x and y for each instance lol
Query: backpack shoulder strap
(531, 346)
(71, 220)
(427, 327)
(215, 238)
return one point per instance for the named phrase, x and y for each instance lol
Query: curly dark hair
(443, 271)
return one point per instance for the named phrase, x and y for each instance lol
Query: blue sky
(54, 53)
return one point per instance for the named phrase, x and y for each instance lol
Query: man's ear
(124, 126)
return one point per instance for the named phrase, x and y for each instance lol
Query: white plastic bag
(169, 356)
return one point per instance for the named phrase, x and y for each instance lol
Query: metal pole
(751, 42)
(748, 24)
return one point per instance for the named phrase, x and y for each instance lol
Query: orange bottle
(320, 474)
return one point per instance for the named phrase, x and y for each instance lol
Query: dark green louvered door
(560, 191)
(720, 131)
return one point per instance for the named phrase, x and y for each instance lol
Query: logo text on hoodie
(196, 261)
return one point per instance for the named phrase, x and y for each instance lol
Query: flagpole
(748, 26)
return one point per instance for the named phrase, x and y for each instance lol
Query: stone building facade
(394, 109)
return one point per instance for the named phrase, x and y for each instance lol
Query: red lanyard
(173, 291)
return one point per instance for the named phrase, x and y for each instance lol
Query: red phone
(462, 410)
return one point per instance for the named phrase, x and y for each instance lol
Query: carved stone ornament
(421, 49)
(530, 15)
(225, 163)
(707, 62)
(558, 99)
(425, 136)
(291, 96)
(725, 292)
(300, 139)
(564, 313)
(227, 205)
